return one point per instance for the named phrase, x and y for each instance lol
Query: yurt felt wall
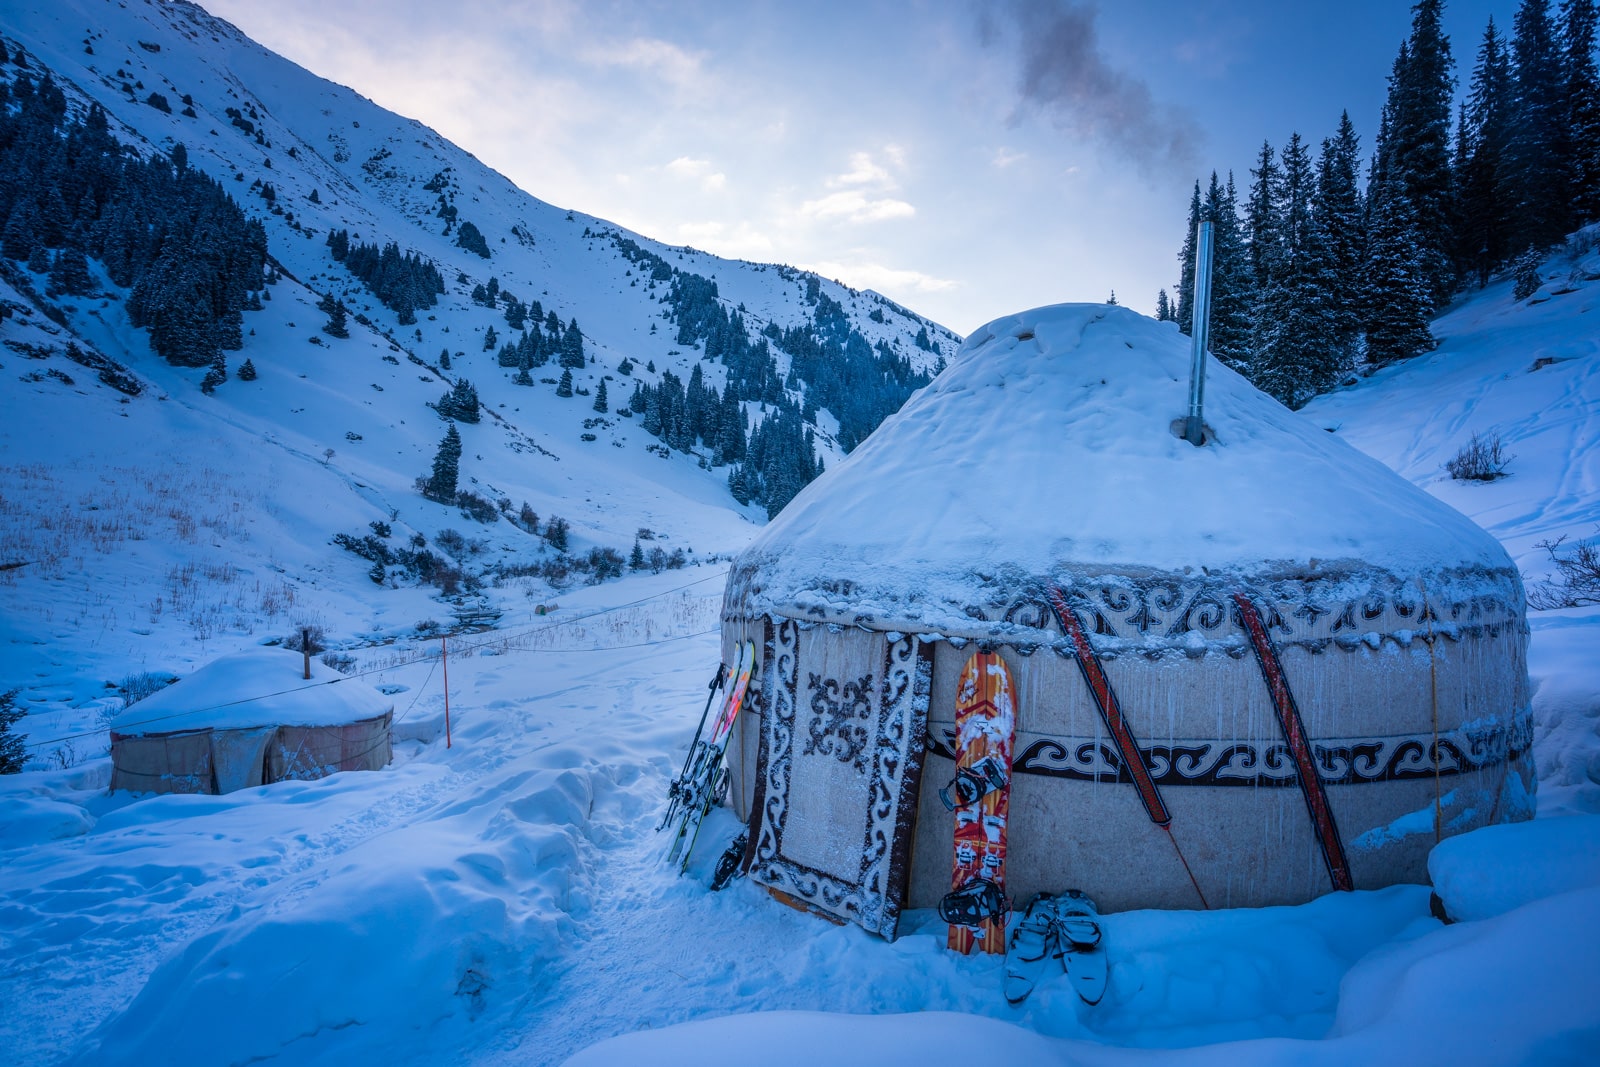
(1270, 586)
(246, 720)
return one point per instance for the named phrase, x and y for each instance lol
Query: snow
(502, 900)
(259, 687)
(1050, 443)
(1498, 869)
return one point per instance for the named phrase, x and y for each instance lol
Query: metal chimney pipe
(1192, 426)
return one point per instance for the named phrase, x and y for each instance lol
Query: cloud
(650, 55)
(697, 170)
(863, 171)
(866, 274)
(852, 205)
(1004, 157)
(1064, 74)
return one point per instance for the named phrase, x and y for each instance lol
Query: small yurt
(250, 719)
(1246, 673)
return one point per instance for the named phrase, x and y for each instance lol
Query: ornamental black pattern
(838, 715)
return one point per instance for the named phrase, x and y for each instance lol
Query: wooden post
(305, 648)
(444, 656)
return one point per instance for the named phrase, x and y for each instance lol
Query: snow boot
(1078, 935)
(1032, 941)
(731, 863)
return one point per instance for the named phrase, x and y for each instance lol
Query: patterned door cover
(839, 768)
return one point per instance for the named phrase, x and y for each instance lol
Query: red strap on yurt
(1105, 699)
(1294, 732)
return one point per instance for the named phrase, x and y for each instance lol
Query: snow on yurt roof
(258, 687)
(1052, 444)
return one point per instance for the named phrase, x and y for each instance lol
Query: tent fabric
(250, 719)
(1041, 464)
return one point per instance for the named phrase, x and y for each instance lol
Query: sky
(966, 159)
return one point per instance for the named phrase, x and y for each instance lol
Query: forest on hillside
(1318, 274)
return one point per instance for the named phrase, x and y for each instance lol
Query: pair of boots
(1063, 927)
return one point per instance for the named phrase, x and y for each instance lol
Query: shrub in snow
(1577, 581)
(342, 662)
(135, 687)
(476, 508)
(1480, 460)
(306, 635)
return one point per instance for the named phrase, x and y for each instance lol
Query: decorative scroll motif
(889, 754)
(836, 726)
(1168, 614)
(1339, 761)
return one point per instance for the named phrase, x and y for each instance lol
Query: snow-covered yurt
(1319, 669)
(248, 719)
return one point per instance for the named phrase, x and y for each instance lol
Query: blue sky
(966, 159)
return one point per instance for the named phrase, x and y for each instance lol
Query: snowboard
(708, 773)
(985, 721)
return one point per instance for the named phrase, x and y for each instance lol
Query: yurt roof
(1052, 443)
(258, 687)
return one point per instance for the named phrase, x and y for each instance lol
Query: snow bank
(408, 938)
(805, 1039)
(1496, 869)
(35, 820)
(1051, 441)
(257, 687)
(1514, 989)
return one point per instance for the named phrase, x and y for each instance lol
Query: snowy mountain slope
(331, 436)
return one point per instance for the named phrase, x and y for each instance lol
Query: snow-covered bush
(1482, 459)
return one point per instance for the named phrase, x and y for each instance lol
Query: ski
(985, 722)
(707, 775)
(677, 792)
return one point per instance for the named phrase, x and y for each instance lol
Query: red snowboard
(986, 718)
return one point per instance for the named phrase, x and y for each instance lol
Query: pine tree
(1294, 353)
(1536, 152)
(1581, 90)
(1232, 286)
(337, 324)
(1483, 238)
(1341, 212)
(13, 748)
(490, 339)
(441, 485)
(600, 404)
(572, 346)
(1261, 214)
(636, 557)
(564, 387)
(1417, 145)
(247, 371)
(1399, 297)
(1164, 312)
(1186, 258)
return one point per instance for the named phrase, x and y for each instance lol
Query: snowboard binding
(973, 783)
(976, 900)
